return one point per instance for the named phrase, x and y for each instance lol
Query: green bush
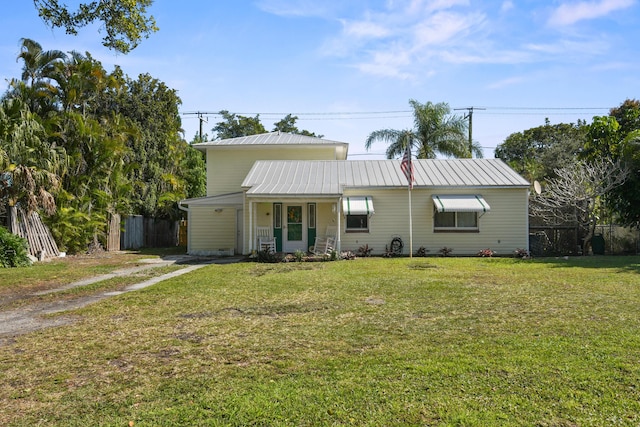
(14, 250)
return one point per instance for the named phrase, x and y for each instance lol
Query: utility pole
(202, 120)
(469, 115)
(202, 116)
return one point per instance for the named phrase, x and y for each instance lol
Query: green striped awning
(357, 205)
(460, 203)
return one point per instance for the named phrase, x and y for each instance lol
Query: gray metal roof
(331, 177)
(272, 138)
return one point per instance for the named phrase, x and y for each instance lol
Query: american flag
(407, 166)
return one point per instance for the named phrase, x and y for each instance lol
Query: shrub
(422, 251)
(14, 250)
(486, 253)
(387, 252)
(446, 251)
(364, 251)
(299, 255)
(267, 256)
(348, 255)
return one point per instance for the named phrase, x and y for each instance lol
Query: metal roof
(331, 177)
(271, 138)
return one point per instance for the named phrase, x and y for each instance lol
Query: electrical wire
(399, 114)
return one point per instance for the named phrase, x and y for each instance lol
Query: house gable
(229, 160)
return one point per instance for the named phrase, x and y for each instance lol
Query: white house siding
(227, 167)
(211, 231)
(390, 219)
(503, 229)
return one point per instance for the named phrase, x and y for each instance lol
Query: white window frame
(456, 227)
(357, 229)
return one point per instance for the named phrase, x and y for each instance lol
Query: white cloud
(486, 56)
(511, 81)
(435, 5)
(293, 7)
(570, 48)
(364, 29)
(403, 36)
(570, 13)
(393, 41)
(506, 6)
(443, 27)
(390, 63)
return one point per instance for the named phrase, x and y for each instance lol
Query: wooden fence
(30, 227)
(139, 232)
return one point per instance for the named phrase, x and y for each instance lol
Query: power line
(398, 114)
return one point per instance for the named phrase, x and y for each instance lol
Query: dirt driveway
(33, 316)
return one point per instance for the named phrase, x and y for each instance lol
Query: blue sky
(347, 68)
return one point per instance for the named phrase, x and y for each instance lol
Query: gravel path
(31, 317)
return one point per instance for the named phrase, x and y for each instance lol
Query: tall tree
(235, 125)
(159, 151)
(288, 125)
(620, 140)
(125, 22)
(30, 167)
(537, 152)
(38, 63)
(435, 132)
(38, 74)
(118, 140)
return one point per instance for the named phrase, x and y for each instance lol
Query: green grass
(429, 341)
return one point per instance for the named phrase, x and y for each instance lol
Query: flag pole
(407, 168)
(410, 223)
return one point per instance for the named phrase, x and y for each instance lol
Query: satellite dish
(537, 187)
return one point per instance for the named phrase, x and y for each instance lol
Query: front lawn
(378, 342)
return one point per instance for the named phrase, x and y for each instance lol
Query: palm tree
(38, 63)
(29, 165)
(435, 132)
(38, 71)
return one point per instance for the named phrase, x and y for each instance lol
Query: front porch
(294, 224)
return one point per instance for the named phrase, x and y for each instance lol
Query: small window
(277, 215)
(312, 215)
(357, 223)
(455, 221)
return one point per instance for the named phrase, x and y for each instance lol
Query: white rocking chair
(266, 240)
(327, 243)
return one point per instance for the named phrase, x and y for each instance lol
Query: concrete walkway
(32, 317)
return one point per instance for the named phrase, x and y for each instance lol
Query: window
(455, 221)
(312, 215)
(357, 209)
(357, 223)
(458, 212)
(277, 215)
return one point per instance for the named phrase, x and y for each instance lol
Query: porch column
(251, 227)
(339, 233)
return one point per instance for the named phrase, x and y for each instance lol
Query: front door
(295, 235)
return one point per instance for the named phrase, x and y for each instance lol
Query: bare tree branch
(576, 194)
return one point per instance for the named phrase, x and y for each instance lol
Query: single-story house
(269, 182)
